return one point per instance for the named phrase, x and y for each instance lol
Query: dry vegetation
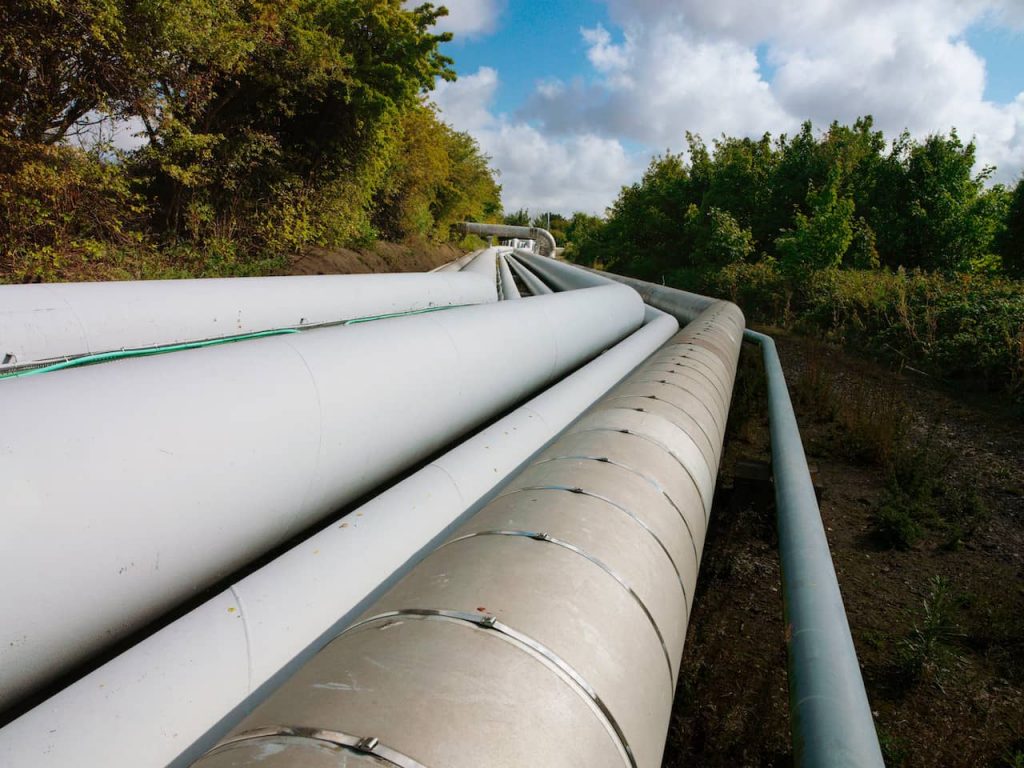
(923, 502)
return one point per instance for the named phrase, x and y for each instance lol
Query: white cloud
(470, 18)
(657, 84)
(578, 173)
(661, 68)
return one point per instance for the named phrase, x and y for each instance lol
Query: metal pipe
(683, 305)
(536, 286)
(53, 321)
(545, 240)
(509, 289)
(459, 263)
(546, 630)
(560, 274)
(831, 719)
(173, 687)
(243, 446)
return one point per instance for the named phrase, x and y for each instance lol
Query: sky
(571, 98)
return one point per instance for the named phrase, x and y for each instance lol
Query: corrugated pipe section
(548, 629)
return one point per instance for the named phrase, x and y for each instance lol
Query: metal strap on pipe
(615, 505)
(507, 633)
(665, 448)
(368, 745)
(543, 537)
(654, 484)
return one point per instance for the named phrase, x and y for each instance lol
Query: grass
(928, 651)
(921, 495)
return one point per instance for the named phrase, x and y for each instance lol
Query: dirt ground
(943, 660)
(379, 257)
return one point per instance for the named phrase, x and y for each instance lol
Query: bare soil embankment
(937, 619)
(379, 257)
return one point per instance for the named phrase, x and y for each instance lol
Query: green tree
(818, 240)
(1011, 240)
(718, 239)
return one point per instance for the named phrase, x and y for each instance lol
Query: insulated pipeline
(178, 684)
(548, 629)
(244, 446)
(52, 322)
(831, 718)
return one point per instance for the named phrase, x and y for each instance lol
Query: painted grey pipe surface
(174, 686)
(59, 320)
(166, 473)
(831, 719)
(830, 715)
(548, 629)
(459, 263)
(561, 274)
(544, 239)
(684, 305)
(509, 289)
(535, 285)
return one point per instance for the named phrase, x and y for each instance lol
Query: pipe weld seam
(716, 420)
(663, 447)
(711, 442)
(713, 379)
(712, 471)
(516, 638)
(713, 387)
(367, 745)
(616, 505)
(654, 484)
(546, 538)
(702, 361)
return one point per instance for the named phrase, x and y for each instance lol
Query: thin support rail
(830, 716)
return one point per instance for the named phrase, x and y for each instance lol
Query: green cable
(125, 353)
(424, 311)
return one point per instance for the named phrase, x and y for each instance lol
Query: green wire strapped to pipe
(123, 353)
(146, 351)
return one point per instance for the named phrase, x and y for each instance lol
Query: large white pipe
(58, 320)
(129, 486)
(458, 264)
(170, 689)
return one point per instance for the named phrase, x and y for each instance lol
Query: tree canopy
(272, 124)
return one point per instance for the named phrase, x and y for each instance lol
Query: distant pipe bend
(548, 629)
(544, 239)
